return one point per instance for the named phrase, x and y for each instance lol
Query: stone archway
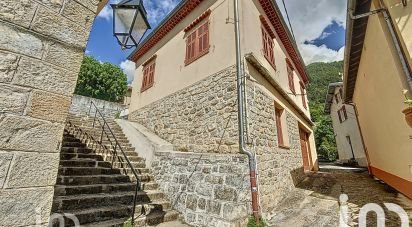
(42, 45)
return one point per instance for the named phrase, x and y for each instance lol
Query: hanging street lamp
(129, 22)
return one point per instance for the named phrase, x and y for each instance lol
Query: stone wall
(41, 50)
(207, 189)
(203, 119)
(80, 106)
(200, 118)
(279, 169)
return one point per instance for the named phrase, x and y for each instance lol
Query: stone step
(84, 163)
(63, 190)
(124, 164)
(82, 150)
(73, 202)
(70, 139)
(73, 144)
(157, 217)
(93, 179)
(97, 215)
(110, 223)
(77, 156)
(85, 171)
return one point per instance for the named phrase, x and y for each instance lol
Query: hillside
(322, 74)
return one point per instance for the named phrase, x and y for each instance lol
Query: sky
(318, 26)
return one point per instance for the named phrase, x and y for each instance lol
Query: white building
(345, 124)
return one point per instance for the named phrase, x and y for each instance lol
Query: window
(268, 46)
(303, 95)
(336, 98)
(343, 115)
(291, 78)
(148, 74)
(281, 127)
(197, 43)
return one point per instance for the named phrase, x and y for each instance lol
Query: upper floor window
(291, 78)
(197, 43)
(148, 73)
(303, 95)
(267, 41)
(342, 114)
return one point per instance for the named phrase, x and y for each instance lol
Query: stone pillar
(41, 49)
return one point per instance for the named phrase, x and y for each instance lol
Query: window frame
(281, 133)
(291, 76)
(302, 91)
(195, 34)
(149, 69)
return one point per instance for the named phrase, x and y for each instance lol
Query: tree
(101, 80)
(322, 74)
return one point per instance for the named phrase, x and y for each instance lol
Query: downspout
(241, 120)
(399, 49)
(362, 139)
(398, 46)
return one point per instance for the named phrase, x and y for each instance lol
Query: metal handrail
(105, 126)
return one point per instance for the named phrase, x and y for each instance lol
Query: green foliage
(102, 81)
(252, 222)
(322, 74)
(128, 223)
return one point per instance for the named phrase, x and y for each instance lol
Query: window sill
(284, 147)
(188, 62)
(143, 89)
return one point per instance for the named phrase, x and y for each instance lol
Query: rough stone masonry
(201, 122)
(41, 49)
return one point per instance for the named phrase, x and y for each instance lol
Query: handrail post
(101, 136)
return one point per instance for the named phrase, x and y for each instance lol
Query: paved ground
(173, 224)
(316, 200)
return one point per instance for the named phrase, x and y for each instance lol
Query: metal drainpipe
(399, 49)
(398, 46)
(241, 120)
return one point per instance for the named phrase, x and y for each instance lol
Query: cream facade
(192, 104)
(345, 125)
(375, 87)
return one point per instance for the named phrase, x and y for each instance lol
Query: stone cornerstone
(202, 119)
(41, 50)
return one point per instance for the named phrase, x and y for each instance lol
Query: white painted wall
(347, 128)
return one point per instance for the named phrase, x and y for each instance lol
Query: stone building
(374, 79)
(345, 125)
(41, 50)
(185, 92)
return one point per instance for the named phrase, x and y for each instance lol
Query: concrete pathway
(315, 201)
(173, 224)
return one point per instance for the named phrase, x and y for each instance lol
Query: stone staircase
(99, 192)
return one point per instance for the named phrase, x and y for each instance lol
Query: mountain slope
(322, 74)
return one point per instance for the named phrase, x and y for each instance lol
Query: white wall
(350, 128)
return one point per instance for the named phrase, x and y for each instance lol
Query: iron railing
(114, 147)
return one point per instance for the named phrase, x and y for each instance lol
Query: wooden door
(305, 146)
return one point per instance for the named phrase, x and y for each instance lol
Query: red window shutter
(203, 38)
(290, 77)
(278, 114)
(302, 93)
(148, 75)
(268, 46)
